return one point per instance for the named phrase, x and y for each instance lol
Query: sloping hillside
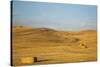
(52, 46)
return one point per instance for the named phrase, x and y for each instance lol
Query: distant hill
(41, 35)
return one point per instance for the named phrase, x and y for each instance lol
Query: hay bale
(27, 60)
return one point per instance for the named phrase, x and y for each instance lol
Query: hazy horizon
(71, 17)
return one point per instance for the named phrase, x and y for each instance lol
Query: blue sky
(55, 15)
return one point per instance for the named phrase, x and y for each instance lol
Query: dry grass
(50, 46)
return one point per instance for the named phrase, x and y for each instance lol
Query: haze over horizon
(58, 16)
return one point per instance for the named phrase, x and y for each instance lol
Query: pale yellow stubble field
(51, 46)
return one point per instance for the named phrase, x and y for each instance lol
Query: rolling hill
(52, 45)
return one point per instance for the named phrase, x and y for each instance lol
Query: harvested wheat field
(31, 46)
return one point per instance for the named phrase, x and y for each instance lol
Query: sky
(58, 16)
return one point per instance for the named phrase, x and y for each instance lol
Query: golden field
(52, 46)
